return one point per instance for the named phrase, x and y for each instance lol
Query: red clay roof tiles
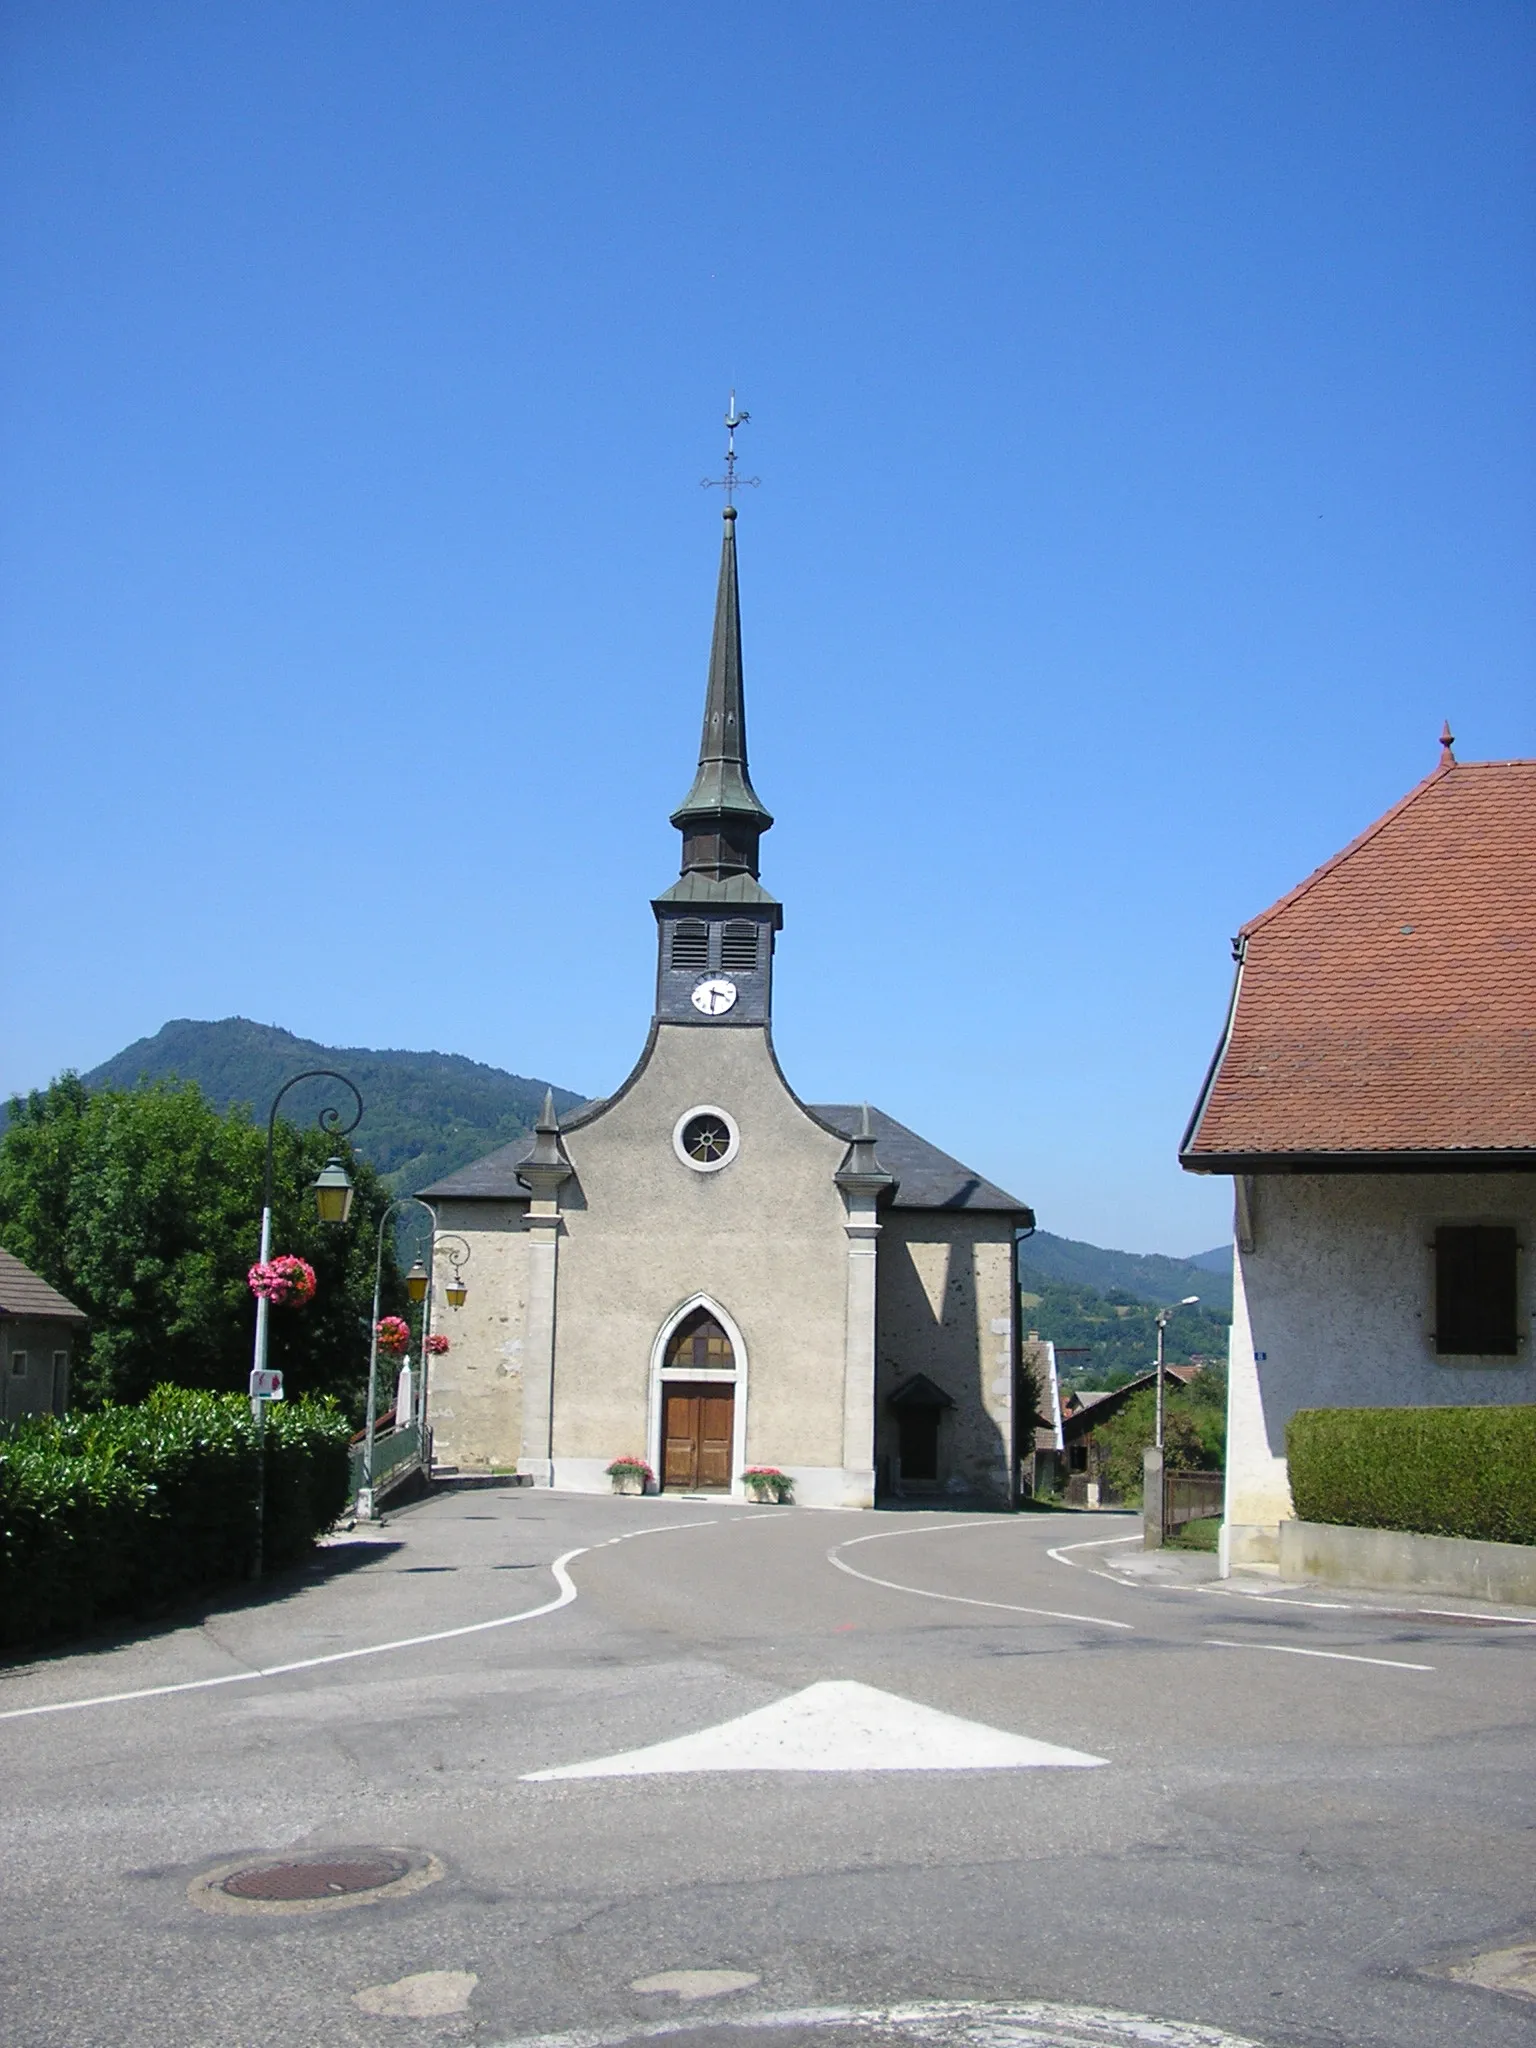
(1388, 1004)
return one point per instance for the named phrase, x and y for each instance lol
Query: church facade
(704, 1270)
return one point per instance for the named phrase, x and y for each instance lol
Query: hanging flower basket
(285, 1282)
(436, 1346)
(394, 1334)
(631, 1475)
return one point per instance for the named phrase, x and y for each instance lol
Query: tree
(143, 1206)
(1194, 1432)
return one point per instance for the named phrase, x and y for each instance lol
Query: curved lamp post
(1163, 1316)
(417, 1286)
(457, 1249)
(332, 1189)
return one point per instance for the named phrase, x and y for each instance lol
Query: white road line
(564, 1598)
(1335, 1656)
(1098, 1543)
(928, 2025)
(958, 1599)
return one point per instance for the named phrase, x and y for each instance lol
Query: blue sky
(1142, 398)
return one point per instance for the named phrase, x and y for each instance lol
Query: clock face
(714, 997)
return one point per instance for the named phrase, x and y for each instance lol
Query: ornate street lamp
(416, 1280)
(333, 1198)
(333, 1192)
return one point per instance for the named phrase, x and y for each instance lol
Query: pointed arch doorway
(698, 1401)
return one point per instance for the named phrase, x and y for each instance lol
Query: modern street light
(1163, 1316)
(332, 1188)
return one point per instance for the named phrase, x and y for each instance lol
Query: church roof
(722, 787)
(696, 888)
(927, 1178)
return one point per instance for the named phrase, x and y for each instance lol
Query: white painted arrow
(837, 1725)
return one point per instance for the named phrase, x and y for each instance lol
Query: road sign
(266, 1386)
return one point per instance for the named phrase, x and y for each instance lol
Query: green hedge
(1433, 1471)
(126, 1509)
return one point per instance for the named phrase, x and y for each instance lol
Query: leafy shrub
(125, 1509)
(1433, 1471)
(1194, 1434)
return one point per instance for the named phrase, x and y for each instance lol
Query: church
(707, 1272)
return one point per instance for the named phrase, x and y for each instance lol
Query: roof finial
(1447, 741)
(730, 481)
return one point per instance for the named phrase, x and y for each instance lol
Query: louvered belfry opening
(738, 948)
(690, 945)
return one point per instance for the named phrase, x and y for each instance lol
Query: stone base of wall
(1247, 1543)
(1392, 1560)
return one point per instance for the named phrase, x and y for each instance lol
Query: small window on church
(700, 1345)
(738, 949)
(706, 1139)
(690, 946)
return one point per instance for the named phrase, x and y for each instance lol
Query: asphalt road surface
(1297, 1818)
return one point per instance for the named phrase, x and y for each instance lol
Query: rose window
(706, 1139)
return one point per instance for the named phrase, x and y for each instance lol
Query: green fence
(393, 1456)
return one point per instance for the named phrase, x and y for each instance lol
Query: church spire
(722, 818)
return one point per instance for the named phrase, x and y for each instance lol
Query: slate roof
(927, 1177)
(24, 1293)
(1385, 1010)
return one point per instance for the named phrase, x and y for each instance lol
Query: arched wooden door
(698, 1417)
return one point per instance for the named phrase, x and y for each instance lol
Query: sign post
(265, 1385)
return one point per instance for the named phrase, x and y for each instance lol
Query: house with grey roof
(703, 1270)
(38, 1333)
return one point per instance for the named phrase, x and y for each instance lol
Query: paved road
(1282, 1848)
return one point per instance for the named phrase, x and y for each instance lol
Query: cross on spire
(730, 482)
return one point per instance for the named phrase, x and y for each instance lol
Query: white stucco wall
(1333, 1307)
(763, 1237)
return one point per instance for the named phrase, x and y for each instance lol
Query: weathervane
(730, 481)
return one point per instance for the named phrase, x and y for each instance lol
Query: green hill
(1146, 1275)
(425, 1112)
(1102, 1340)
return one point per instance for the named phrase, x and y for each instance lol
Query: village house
(38, 1333)
(1374, 1099)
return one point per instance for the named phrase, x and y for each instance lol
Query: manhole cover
(317, 1882)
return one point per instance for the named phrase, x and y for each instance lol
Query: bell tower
(716, 924)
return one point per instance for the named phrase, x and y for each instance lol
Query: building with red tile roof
(1385, 1010)
(1374, 1098)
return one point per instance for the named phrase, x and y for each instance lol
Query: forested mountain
(1102, 1340)
(1099, 1308)
(1146, 1275)
(425, 1112)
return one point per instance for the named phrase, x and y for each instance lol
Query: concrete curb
(1391, 1560)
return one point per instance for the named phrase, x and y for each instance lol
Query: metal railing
(400, 1449)
(1191, 1497)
